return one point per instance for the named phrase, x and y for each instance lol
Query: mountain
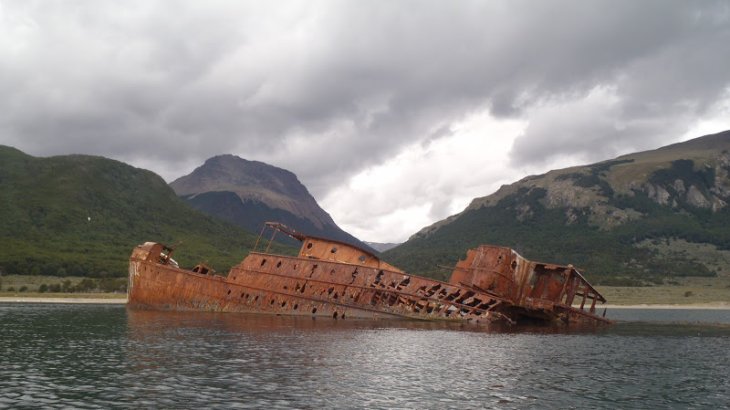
(381, 247)
(82, 215)
(636, 219)
(249, 193)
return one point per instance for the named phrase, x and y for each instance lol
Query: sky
(395, 114)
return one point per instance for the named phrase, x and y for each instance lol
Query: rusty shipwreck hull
(332, 279)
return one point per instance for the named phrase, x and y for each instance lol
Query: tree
(67, 286)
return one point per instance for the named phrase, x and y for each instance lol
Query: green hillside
(82, 215)
(638, 219)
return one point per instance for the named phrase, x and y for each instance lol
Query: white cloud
(426, 181)
(717, 120)
(341, 91)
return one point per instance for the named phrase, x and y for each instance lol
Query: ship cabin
(327, 249)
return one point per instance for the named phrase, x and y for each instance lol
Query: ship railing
(276, 227)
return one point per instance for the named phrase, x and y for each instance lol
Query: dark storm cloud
(672, 75)
(327, 88)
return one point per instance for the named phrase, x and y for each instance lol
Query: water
(87, 356)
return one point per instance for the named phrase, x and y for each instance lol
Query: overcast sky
(394, 114)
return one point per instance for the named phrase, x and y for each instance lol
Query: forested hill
(82, 215)
(639, 218)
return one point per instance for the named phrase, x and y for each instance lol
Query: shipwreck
(336, 280)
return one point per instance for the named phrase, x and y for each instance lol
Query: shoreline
(89, 301)
(695, 306)
(123, 301)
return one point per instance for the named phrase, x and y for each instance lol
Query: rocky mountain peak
(254, 181)
(248, 193)
(236, 171)
(688, 176)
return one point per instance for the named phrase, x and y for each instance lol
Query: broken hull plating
(331, 279)
(275, 284)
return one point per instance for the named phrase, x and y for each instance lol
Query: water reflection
(92, 357)
(148, 322)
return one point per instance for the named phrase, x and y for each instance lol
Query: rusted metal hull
(275, 284)
(335, 280)
(531, 289)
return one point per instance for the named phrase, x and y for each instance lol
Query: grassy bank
(47, 295)
(22, 284)
(677, 291)
(664, 295)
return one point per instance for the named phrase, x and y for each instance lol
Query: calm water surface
(85, 356)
